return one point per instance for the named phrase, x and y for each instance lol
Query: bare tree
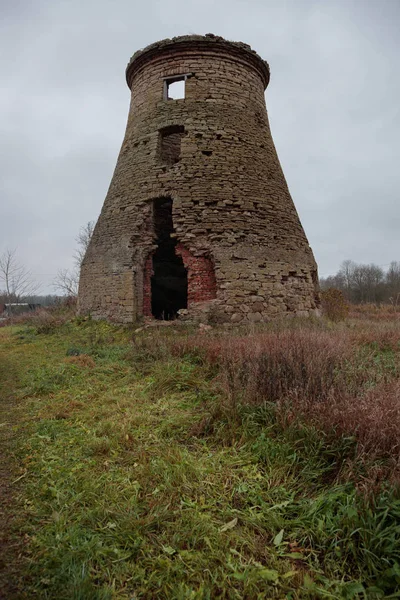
(83, 241)
(16, 279)
(393, 277)
(346, 272)
(67, 280)
(393, 283)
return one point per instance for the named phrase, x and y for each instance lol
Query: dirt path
(11, 545)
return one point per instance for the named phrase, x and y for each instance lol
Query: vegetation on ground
(177, 462)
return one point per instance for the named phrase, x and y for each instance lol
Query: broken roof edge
(209, 39)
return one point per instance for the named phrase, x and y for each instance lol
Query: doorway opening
(169, 283)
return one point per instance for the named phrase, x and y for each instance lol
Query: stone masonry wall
(237, 229)
(170, 146)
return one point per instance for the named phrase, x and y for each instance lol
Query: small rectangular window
(174, 87)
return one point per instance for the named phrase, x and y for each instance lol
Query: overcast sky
(333, 104)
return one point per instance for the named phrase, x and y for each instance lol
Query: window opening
(174, 87)
(176, 90)
(169, 286)
(170, 144)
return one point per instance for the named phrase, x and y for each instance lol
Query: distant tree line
(366, 283)
(44, 300)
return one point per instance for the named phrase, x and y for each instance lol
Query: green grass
(139, 483)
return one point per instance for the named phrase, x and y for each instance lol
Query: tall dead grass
(277, 365)
(375, 312)
(345, 382)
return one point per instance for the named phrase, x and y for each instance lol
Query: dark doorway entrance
(169, 282)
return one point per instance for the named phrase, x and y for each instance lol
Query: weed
(83, 360)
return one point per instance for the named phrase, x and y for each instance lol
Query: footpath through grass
(140, 480)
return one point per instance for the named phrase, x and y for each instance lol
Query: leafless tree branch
(83, 240)
(67, 280)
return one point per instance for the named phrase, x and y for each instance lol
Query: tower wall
(235, 225)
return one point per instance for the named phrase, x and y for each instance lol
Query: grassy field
(180, 463)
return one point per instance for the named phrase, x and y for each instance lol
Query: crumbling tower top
(198, 44)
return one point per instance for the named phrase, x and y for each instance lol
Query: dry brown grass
(345, 382)
(82, 360)
(271, 366)
(375, 312)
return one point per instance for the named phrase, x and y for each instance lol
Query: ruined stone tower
(198, 215)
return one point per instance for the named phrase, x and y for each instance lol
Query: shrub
(44, 320)
(334, 305)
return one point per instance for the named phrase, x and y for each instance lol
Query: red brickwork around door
(201, 276)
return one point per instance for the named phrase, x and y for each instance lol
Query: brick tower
(198, 217)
